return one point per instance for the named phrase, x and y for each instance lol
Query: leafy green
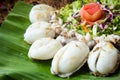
(14, 62)
(113, 27)
(80, 30)
(66, 13)
(69, 9)
(116, 25)
(112, 3)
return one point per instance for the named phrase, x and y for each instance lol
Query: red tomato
(91, 13)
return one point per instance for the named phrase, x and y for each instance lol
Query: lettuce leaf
(70, 9)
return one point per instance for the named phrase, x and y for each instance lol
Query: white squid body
(40, 12)
(38, 30)
(44, 49)
(69, 59)
(103, 59)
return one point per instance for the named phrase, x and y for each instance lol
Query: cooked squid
(41, 12)
(103, 59)
(38, 30)
(44, 49)
(69, 59)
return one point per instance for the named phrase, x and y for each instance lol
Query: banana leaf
(14, 62)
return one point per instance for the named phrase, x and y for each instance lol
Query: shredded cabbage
(108, 25)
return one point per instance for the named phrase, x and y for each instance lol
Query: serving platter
(14, 62)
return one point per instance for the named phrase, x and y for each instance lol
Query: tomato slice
(92, 8)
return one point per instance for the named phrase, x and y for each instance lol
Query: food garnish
(84, 31)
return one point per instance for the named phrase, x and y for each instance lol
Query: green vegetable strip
(113, 26)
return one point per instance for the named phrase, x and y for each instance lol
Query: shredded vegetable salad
(103, 18)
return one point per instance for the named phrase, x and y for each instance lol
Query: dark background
(7, 5)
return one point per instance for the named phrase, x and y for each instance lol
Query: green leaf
(14, 62)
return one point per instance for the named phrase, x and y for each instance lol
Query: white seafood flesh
(103, 59)
(110, 38)
(40, 12)
(69, 59)
(38, 30)
(113, 38)
(44, 49)
(55, 19)
(66, 37)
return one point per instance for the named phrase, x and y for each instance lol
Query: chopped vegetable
(85, 29)
(108, 24)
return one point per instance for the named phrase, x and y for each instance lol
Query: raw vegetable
(108, 24)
